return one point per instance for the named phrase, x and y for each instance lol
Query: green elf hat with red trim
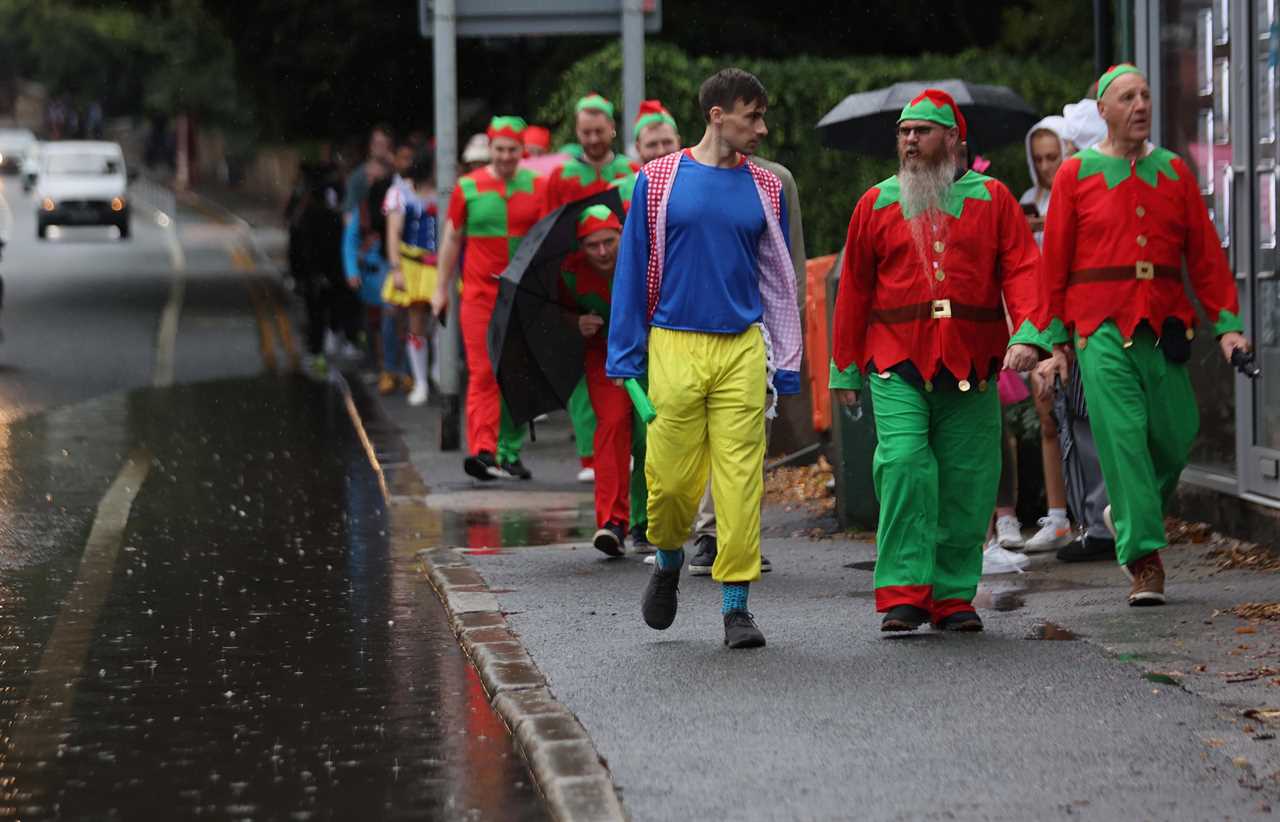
(594, 102)
(651, 113)
(507, 126)
(597, 218)
(1112, 73)
(936, 106)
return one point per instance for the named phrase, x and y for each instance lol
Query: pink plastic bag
(1013, 389)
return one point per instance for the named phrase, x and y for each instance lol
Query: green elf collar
(1115, 170)
(972, 186)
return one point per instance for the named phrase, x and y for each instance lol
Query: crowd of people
(955, 299)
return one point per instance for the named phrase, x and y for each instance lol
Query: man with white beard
(935, 256)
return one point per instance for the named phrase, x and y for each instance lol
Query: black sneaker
(640, 540)
(658, 604)
(904, 618)
(1088, 549)
(765, 565)
(610, 539)
(516, 470)
(740, 630)
(705, 557)
(482, 466)
(964, 621)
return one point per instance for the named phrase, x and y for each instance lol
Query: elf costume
(1114, 245)
(930, 329)
(574, 180)
(590, 291)
(493, 215)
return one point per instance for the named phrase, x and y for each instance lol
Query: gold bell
(1080, 343)
(1191, 333)
(982, 385)
(964, 385)
(1128, 344)
(928, 385)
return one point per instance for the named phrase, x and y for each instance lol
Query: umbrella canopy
(865, 122)
(535, 349)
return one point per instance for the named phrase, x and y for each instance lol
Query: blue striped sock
(735, 596)
(670, 560)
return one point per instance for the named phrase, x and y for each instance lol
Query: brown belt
(1140, 270)
(937, 310)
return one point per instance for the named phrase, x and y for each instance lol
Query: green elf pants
(1144, 418)
(935, 470)
(510, 437)
(583, 419)
(639, 487)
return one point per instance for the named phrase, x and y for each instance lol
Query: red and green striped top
(493, 215)
(577, 179)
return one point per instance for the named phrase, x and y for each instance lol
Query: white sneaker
(351, 351)
(331, 344)
(587, 474)
(998, 560)
(1009, 532)
(1053, 534)
(418, 396)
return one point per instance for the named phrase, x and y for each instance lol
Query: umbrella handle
(640, 400)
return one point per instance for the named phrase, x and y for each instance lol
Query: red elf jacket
(946, 310)
(1115, 238)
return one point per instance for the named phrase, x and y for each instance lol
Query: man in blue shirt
(704, 303)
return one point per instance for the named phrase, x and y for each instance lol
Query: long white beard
(923, 194)
(926, 189)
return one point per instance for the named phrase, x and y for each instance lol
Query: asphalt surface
(207, 609)
(1030, 720)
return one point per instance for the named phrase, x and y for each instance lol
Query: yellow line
(285, 329)
(362, 434)
(41, 721)
(266, 340)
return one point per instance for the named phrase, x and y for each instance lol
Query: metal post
(445, 53)
(632, 63)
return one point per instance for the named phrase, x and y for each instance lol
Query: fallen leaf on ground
(1257, 610)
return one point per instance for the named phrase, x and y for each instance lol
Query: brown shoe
(386, 383)
(1148, 581)
(406, 383)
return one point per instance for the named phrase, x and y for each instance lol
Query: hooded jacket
(1038, 195)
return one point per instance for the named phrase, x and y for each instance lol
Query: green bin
(854, 436)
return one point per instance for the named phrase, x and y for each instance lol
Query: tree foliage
(804, 88)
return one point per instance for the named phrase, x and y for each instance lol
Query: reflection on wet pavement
(488, 532)
(263, 646)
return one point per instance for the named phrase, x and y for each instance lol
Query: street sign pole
(632, 65)
(449, 349)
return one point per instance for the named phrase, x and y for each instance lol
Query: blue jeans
(394, 359)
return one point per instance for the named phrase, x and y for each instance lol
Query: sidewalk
(1142, 716)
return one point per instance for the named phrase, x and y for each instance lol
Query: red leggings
(484, 403)
(612, 441)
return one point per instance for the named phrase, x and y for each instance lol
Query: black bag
(1174, 341)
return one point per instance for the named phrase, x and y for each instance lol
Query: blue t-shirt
(711, 274)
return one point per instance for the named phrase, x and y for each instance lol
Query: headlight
(47, 204)
(117, 204)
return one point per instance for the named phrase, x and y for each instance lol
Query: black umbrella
(536, 352)
(865, 122)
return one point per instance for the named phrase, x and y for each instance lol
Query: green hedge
(801, 90)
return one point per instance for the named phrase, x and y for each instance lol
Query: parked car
(14, 145)
(30, 168)
(82, 182)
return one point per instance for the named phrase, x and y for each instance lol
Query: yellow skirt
(419, 280)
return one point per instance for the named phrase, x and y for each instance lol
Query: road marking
(167, 332)
(40, 723)
(335, 377)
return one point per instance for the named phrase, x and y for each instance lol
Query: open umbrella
(865, 122)
(536, 353)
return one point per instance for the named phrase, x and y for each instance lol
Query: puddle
(488, 531)
(1053, 632)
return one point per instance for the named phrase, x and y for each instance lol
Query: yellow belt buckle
(941, 309)
(1146, 270)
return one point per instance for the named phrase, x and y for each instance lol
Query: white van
(82, 182)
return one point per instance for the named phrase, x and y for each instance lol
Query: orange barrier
(817, 345)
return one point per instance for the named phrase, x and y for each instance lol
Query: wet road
(206, 606)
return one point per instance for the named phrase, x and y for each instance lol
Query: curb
(572, 776)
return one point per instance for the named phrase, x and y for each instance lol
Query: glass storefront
(1214, 66)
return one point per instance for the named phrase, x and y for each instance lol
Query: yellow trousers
(709, 392)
